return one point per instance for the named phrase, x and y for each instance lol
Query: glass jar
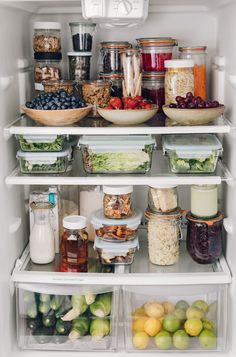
(155, 51)
(115, 80)
(164, 233)
(198, 55)
(110, 58)
(82, 36)
(54, 85)
(79, 65)
(153, 87)
(179, 79)
(205, 238)
(96, 93)
(47, 37)
(47, 67)
(117, 201)
(163, 198)
(75, 243)
(204, 202)
(131, 65)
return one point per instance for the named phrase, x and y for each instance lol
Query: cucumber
(44, 307)
(56, 302)
(49, 319)
(31, 310)
(57, 339)
(64, 308)
(43, 334)
(44, 297)
(63, 327)
(32, 324)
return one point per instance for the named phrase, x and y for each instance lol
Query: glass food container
(116, 253)
(54, 85)
(114, 230)
(117, 154)
(79, 65)
(82, 36)
(162, 198)
(96, 93)
(179, 79)
(47, 67)
(110, 57)
(155, 51)
(164, 233)
(132, 69)
(44, 143)
(195, 153)
(115, 80)
(198, 55)
(47, 37)
(205, 238)
(153, 87)
(204, 202)
(117, 201)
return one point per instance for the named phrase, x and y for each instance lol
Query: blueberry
(63, 107)
(73, 99)
(28, 104)
(54, 107)
(67, 103)
(63, 94)
(39, 107)
(45, 107)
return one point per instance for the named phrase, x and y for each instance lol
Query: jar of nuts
(47, 37)
(47, 67)
(96, 93)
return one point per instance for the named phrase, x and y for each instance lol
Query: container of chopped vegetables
(117, 154)
(115, 230)
(43, 163)
(193, 154)
(37, 143)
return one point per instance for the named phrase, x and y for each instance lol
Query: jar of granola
(47, 67)
(96, 93)
(47, 37)
(117, 201)
(179, 79)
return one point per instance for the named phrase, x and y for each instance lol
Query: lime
(201, 304)
(194, 313)
(171, 323)
(193, 327)
(207, 339)
(140, 340)
(180, 314)
(208, 324)
(181, 340)
(182, 304)
(163, 340)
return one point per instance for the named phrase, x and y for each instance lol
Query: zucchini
(44, 298)
(56, 302)
(43, 334)
(44, 307)
(31, 310)
(63, 327)
(32, 324)
(49, 319)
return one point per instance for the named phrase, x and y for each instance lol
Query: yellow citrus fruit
(140, 340)
(168, 307)
(154, 309)
(138, 324)
(152, 326)
(139, 312)
(193, 327)
(194, 313)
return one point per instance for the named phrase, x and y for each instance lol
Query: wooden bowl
(193, 116)
(57, 117)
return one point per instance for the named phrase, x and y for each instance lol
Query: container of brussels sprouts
(41, 143)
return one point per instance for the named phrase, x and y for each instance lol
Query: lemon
(201, 304)
(152, 326)
(154, 309)
(193, 326)
(139, 312)
(138, 324)
(140, 340)
(168, 307)
(194, 313)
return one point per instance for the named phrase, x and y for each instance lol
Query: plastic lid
(193, 142)
(79, 54)
(47, 26)
(50, 56)
(98, 219)
(163, 186)
(39, 138)
(179, 63)
(74, 222)
(117, 190)
(193, 49)
(42, 155)
(118, 248)
(117, 142)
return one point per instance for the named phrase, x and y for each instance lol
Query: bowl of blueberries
(56, 108)
(192, 110)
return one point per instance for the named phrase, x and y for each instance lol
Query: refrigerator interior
(211, 23)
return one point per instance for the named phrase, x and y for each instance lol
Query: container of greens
(192, 154)
(117, 154)
(44, 143)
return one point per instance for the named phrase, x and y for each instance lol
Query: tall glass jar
(82, 36)
(131, 65)
(96, 93)
(47, 67)
(115, 80)
(198, 55)
(153, 87)
(47, 37)
(204, 201)
(109, 57)
(79, 65)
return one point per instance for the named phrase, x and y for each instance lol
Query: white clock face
(124, 7)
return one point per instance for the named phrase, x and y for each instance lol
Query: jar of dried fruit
(47, 37)
(47, 67)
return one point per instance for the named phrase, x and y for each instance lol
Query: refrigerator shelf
(26, 126)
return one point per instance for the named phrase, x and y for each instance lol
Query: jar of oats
(179, 79)
(96, 93)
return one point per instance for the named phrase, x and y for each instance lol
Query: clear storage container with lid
(110, 58)
(47, 67)
(153, 87)
(117, 201)
(117, 154)
(47, 37)
(79, 65)
(115, 80)
(114, 230)
(179, 79)
(195, 153)
(82, 35)
(204, 202)
(45, 143)
(96, 93)
(155, 51)
(116, 253)
(162, 198)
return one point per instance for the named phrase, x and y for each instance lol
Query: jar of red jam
(153, 85)
(155, 51)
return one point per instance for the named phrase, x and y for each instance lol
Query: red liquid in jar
(155, 62)
(157, 96)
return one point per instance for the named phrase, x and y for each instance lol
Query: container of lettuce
(41, 143)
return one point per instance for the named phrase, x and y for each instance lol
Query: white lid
(39, 138)
(74, 222)
(47, 26)
(38, 86)
(79, 54)
(117, 248)
(42, 155)
(193, 142)
(179, 63)
(117, 190)
(163, 186)
(115, 143)
(98, 220)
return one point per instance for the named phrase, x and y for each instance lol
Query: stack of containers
(116, 226)
(155, 51)
(47, 52)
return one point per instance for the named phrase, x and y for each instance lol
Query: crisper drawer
(67, 317)
(175, 318)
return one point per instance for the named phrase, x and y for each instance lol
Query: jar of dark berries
(110, 57)
(153, 87)
(82, 35)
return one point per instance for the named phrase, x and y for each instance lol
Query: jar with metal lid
(47, 67)
(115, 80)
(198, 55)
(109, 57)
(75, 243)
(47, 37)
(117, 202)
(132, 69)
(155, 51)
(79, 65)
(96, 93)
(162, 198)
(82, 35)
(204, 201)
(205, 238)
(153, 87)
(179, 79)
(164, 233)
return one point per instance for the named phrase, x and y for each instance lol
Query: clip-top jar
(153, 87)
(47, 37)
(115, 80)
(109, 58)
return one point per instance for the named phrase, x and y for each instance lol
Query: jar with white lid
(162, 198)
(79, 65)
(47, 67)
(47, 37)
(204, 201)
(117, 201)
(179, 79)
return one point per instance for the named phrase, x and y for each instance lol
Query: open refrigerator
(211, 22)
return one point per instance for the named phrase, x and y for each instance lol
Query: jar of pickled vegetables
(110, 57)
(198, 55)
(153, 87)
(131, 65)
(117, 201)
(96, 93)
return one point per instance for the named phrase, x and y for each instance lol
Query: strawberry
(139, 98)
(131, 103)
(143, 103)
(108, 107)
(116, 103)
(148, 106)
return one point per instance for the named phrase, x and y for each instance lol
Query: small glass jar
(117, 201)
(131, 65)
(110, 58)
(96, 93)
(198, 55)
(153, 87)
(204, 201)
(75, 243)
(205, 238)
(163, 198)
(54, 85)
(79, 65)
(82, 36)
(164, 233)
(179, 79)
(115, 80)
(47, 67)
(47, 37)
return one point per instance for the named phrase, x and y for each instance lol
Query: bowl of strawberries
(128, 111)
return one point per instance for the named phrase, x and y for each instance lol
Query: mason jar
(153, 87)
